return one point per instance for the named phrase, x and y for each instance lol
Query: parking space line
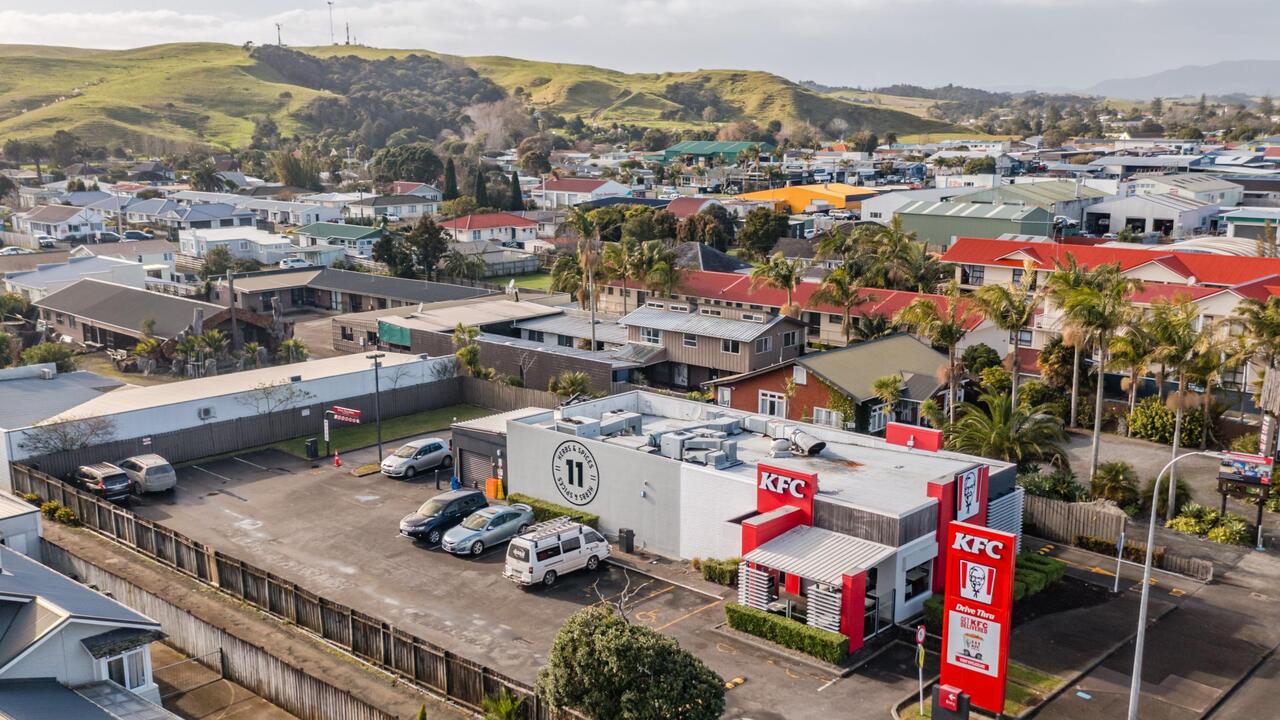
(246, 462)
(690, 614)
(206, 470)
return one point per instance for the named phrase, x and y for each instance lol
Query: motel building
(839, 530)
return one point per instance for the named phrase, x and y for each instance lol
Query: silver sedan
(487, 527)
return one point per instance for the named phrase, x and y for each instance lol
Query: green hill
(165, 97)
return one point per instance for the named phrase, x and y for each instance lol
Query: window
(347, 334)
(724, 396)
(799, 375)
(371, 338)
(835, 319)
(678, 308)
(1017, 275)
(772, 404)
(71, 320)
(732, 347)
(764, 344)
(879, 417)
(128, 670)
(828, 417)
(690, 341)
(1024, 337)
(655, 305)
(752, 317)
(790, 338)
(917, 579)
(972, 274)
(564, 341)
(710, 312)
(571, 544)
(653, 336)
(548, 552)
(536, 335)
(58, 318)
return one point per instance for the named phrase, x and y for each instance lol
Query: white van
(550, 549)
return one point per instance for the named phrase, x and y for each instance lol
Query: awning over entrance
(818, 555)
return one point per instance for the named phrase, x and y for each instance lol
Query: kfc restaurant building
(838, 530)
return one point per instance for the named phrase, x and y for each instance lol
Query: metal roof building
(696, 324)
(936, 223)
(817, 554)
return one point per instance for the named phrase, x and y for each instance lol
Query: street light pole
(377, 398)
(1135, 683)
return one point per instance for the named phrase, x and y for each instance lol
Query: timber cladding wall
(539, 365)
(884, 529)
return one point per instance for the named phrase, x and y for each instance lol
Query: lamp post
(1135, 683)
(377, 399)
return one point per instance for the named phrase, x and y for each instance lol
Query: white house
(881, 208)
(49, 278)
(64, 222)
(175, 215)
(288, 212)
(1199, 187)
(357, 240)
(567, 192)
(1171, 215)
(416, 189)
(405, 207)
(250, 243)
(499, 227)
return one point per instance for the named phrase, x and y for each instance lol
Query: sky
(999, 44)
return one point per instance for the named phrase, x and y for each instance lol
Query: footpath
(289, 644)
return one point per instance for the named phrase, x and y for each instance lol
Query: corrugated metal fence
(422, 663)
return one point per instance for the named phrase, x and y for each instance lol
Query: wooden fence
(502, 397)
(250, 665)
(382, 645)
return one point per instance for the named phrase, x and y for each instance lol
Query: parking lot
(336, 534)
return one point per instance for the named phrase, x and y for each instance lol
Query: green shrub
(721, 572)
(1132, 553)
(1057, 485)
(1052, 569)
(50, 508)
(1232, 530)
(1181, 496)
(32, 498)
(822, 644)
(1019, 590)
(1033, 579)
(66, 516)
(933, 614)
(543, 510)
(1153, 421)
(1197, 519)
(1250, 443)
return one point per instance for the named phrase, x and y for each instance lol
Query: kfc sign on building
(777, 487)
(979, 601)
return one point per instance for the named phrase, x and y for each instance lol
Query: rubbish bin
(626, 540)
(313, 449)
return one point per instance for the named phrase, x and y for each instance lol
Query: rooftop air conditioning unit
(48, 373)
(204, 413)
(580, 426)
(757, 424)
(672, 445)
(620, 421)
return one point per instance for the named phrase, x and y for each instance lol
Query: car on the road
(15, 250)
(487, 527)
(418, 456)
(104, 480)
(137, 235)
(435, 516)
(46, 241)
(550, 549)
(291, 263)
(149, 473)
(107, 236)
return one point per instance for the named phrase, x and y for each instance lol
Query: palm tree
(187, 348)
(657, 267)
(147, 347)
(292, 350)
(943, 326)
(888, 389)
(620, 263)
(566, 277)
(570, 383)
(1066, 278)
(252, 351)
(1115, 481)
(916, 269)
(1216, 355)
(1177, 339)
(1011, 308)
(1131, 351)
(461, 265)
(872, 326)
(843, 289)
(782, 274)
(1099, 311)
(214, 342)
(205, 177)
(994, 428)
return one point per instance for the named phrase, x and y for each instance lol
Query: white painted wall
(709, 501)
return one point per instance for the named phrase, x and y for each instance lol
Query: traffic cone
(337, 459)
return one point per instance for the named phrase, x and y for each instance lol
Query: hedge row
(721, 572)
(1032, 574)
(822, 644)
(1053, 570)
(1132, 553)
(543, 510)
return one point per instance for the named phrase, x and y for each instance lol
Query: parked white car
(290, 263)
(418, 456)
(150, 473)
(550, 549)
(46, 241)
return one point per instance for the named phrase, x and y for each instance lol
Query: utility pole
(377, 402)
(231, 297)
(278, 40)
(331, 42)
(348, 33)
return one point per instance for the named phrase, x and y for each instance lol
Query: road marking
(829, 683)
(729, 649)
(206, 470)
(246, 462)
(647, 616)
(1177, 592)
(1100, 571)
(690, 614)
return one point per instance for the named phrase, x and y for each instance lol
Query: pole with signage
(377, 398)
(920, 635)
(976, 613)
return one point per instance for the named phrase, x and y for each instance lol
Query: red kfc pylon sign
(976, 614)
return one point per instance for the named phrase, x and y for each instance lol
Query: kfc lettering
(972, 544)
(778, 487)
(780, 484)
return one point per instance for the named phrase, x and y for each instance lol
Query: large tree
(392, 250)
(1010, 308)
(994, 428)
(415, 162)
(479, 191)
(606, 668)
(429, 243)
(761, 230)
(516, 201)
(943, 324)
(781, 274)
(842, 288)
(1176, 327)
(450, 189)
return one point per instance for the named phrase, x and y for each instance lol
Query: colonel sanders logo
(977, 582)
(967, 495)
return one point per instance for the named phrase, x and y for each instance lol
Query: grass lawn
(1026, 687)
(100, 364)
(532, 281)
(353, 437)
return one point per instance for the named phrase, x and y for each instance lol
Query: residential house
(337, 200)
(500, 227)
(1167, 214)
(357, 240)
(822, 387)
(288, 212)
(157, 257)
(163, 212)
(63, 643)
(703, 343)
(48, 278)
(567, 192)
(1200, 187)
(150, 171)
(701, 256)
(242, 242)
(416, 189)
(548, 221)
(404, 207)
(64, 222)
(330, 289)
(271, 191)
(936, 223)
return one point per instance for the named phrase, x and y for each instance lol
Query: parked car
(47, 241)
(104, 480)
(552, 548)
(137, 235)
(487, 527)
(440, 513)
(149, 473)
(106, 236)
(15, 250)
(294, 262)
(840, 215)
(417, 456)
(1064, 221)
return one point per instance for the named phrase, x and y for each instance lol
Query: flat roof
(11, 507)
(445, 319)
(861, 471)
(27, 401)
(497, 423)
(577, 323)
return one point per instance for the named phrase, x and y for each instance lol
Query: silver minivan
(150, 473)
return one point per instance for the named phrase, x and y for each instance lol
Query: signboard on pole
(348, 415)
(1245, 468)
(326, 431)
(975, 620)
